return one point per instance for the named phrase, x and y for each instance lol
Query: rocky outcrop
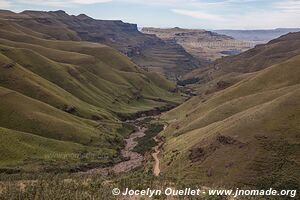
(202, 44)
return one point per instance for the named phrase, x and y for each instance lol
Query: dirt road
(156, 167)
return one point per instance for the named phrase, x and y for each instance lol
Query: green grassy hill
(229, 70)
(245, 134)
(148, 51)
(68, 97)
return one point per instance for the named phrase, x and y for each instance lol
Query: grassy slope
(22, 145)
(134, 82)
(245, 134)
(230, 70)
(39, 119)
(40, 78)
(146, 50)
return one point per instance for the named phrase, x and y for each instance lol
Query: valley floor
(135, 162)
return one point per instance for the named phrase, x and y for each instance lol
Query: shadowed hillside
(246, 133)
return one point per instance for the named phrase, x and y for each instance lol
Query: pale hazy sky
(208, 14)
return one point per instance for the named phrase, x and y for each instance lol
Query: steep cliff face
(86, 28)
(202, 44)
(148, 51)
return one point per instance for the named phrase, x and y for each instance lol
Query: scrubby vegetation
(146, 143)
(75, 186)
(188, 81)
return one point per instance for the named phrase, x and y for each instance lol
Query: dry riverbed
(135, 159)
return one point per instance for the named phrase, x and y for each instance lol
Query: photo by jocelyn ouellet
(160, 99)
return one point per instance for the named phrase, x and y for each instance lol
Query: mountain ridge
(148, 51)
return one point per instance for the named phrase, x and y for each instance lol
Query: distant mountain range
(257, 35)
